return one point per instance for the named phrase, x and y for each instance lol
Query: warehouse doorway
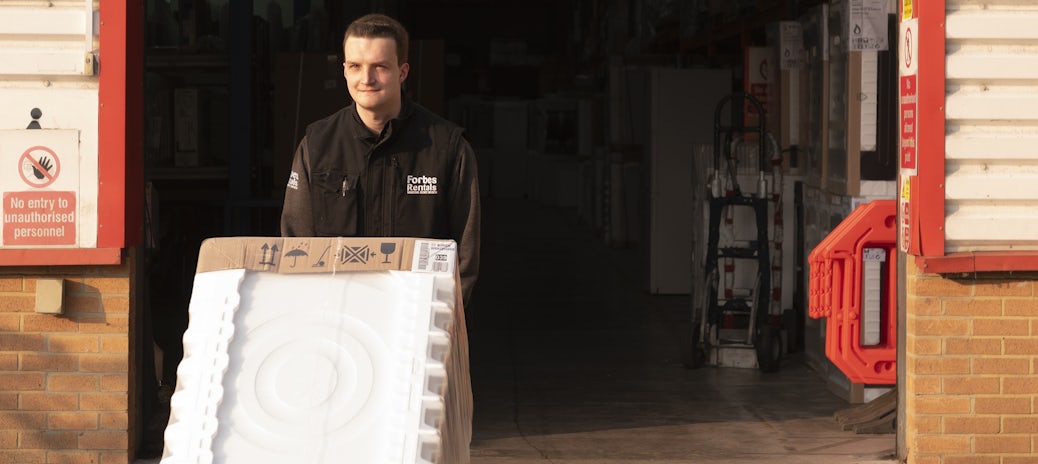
(564, 304)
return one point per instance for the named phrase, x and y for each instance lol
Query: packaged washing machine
(323, 350)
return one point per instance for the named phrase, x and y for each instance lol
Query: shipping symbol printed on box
(296, 255)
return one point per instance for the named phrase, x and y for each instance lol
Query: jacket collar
(361, 131)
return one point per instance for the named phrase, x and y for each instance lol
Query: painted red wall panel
(120, 145)
(921, 182)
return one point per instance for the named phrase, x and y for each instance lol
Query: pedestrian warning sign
(39, 218)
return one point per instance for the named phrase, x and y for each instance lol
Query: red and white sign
(908, 125)
(39, 218)
(40, 189)
(39, 166)
(909, 91)
(908, 104)
(757, 78)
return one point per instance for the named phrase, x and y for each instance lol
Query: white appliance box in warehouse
(323, 350)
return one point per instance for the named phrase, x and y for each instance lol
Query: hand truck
(714, 308)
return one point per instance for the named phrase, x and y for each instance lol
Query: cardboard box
(814, 98)
(309, 259)
(297, 255)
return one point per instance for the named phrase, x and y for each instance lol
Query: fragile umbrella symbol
(295, 254)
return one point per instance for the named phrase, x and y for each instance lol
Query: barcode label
(434, 256)
(874, 254)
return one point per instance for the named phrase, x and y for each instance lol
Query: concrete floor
(573, 363)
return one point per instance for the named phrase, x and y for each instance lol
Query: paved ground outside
(573, 362)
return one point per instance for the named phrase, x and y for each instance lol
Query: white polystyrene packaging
(313, 368)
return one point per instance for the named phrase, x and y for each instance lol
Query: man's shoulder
(429, 118)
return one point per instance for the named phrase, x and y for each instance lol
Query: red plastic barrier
(835, 283)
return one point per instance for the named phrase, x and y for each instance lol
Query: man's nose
(369, 74)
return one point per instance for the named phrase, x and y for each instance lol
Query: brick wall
(971, 361)
(64, 378)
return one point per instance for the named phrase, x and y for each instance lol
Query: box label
(430, 256)
(868, 24)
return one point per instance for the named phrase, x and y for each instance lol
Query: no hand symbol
(39, 166)
(908, 47)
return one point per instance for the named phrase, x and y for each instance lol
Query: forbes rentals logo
(421, 185)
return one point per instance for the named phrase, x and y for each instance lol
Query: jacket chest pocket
(335, 199)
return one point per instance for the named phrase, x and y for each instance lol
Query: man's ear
(404, 68)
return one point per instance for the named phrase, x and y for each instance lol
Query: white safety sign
(39, 184)
(867, 24)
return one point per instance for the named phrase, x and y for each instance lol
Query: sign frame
(120, 146)
(921, 214)
(921, 179)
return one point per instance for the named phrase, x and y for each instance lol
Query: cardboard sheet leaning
(323, 350)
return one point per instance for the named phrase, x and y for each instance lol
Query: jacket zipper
(367, 188)
(391, 176)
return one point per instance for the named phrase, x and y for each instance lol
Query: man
(384, 166)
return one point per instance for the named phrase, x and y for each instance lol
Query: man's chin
(372, 104)
(366, 106)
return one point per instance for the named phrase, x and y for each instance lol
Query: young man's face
(372, 73)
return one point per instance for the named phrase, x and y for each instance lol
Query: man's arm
(297, 214)
(465, 216)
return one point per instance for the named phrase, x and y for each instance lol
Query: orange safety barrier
(837, 267)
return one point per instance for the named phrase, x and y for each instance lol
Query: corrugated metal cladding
(47, 38)
(992, 125)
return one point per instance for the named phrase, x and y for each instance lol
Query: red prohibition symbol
(39, 166)
(908, 47)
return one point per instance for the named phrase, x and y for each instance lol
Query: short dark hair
(379, 25)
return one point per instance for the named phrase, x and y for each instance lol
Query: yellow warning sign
(906, 9)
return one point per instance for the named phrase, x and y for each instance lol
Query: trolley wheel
(769, 348)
